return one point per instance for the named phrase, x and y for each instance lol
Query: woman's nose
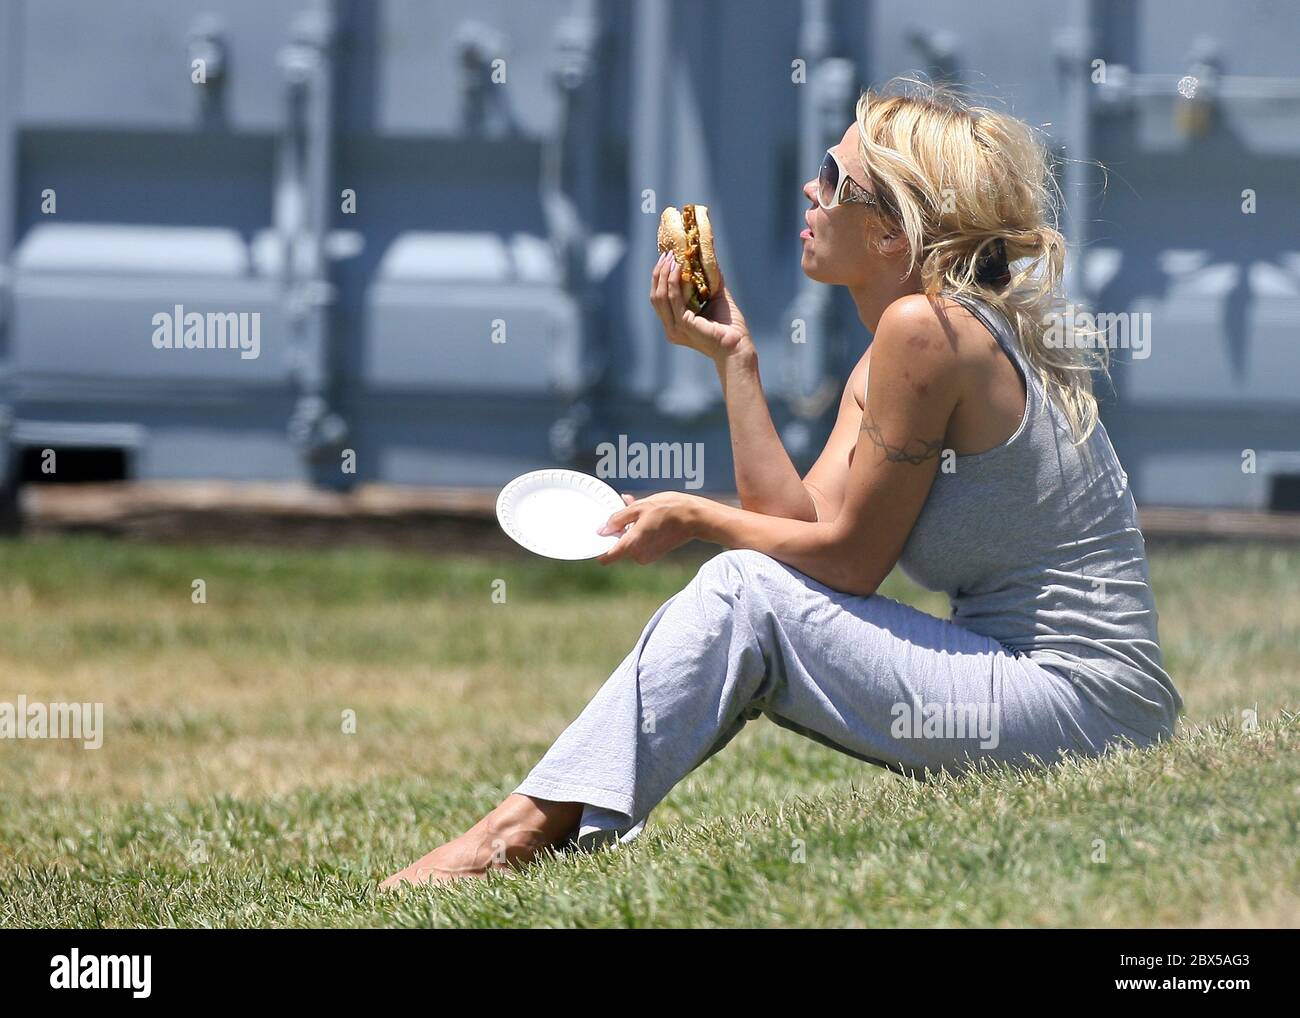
(810, 190)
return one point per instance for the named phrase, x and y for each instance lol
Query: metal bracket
(1203, 82)
(207, 42)
(485, 110)
(939, 48)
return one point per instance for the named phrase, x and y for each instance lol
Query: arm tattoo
(914, 451)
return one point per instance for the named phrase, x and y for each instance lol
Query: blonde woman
(967, 451)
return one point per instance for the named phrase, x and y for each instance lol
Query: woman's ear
(892, 242)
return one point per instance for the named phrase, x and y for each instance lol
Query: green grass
(227, 794)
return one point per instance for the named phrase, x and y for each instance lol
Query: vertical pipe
(10, 57)
(569, 184)
(823, 113)
(648, 152)
(808, 360)
(10, 65)
(1076, 50)
(304, 213)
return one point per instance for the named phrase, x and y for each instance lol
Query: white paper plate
(556, 513)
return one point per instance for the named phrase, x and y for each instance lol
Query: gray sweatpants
(869, 676)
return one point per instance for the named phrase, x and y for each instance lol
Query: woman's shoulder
(945, 341)
(938, 333)
(914, 351)
(933, 336)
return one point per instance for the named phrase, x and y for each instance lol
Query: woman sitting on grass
(975, 461)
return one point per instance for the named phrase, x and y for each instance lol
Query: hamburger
(689, 236)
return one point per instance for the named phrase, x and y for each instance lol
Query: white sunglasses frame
(864, 198)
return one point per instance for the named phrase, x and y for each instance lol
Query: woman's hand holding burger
(696, 309)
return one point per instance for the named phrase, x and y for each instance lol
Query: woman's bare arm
(766, 479)
(915, 386)
(829, 476)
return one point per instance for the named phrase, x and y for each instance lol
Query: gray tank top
(1036, 544)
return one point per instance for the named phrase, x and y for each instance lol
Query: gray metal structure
(477, 306)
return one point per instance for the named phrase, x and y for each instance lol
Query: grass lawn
(227, 792)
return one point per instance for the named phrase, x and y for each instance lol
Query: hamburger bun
(688, 234)
(708, 257)
(672, 234)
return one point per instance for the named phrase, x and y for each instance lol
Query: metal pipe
(648, 156)
(810, 385)
(10, 49)
(10, 46)
(303, 213)
(568, 190)
(1074, 48)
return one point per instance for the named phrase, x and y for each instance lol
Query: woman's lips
(806, 234)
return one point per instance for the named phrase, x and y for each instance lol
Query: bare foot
(511, 835)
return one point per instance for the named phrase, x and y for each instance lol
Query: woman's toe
(394, 882)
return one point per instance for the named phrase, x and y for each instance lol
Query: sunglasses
(836, 187)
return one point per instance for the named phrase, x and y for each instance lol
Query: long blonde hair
(968, 184)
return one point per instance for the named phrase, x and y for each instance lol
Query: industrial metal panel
(441, 338)
(1257, 38)
(422, 48)
(1008, 55)
(127, 63)
(470, 312)
(85, 299)
(462, 440)
(1189, 358)
(102, 328)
